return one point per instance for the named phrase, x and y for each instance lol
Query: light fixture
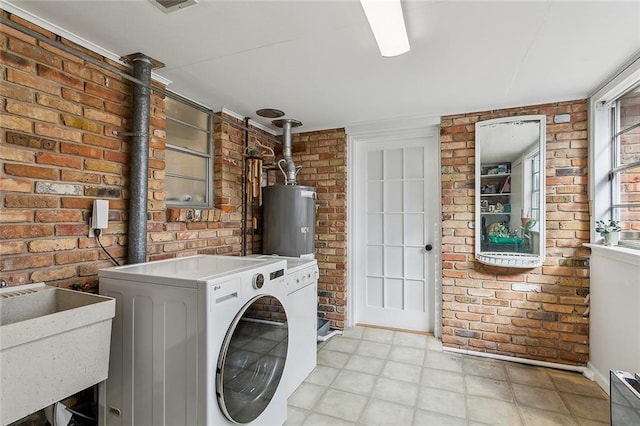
(387, 23)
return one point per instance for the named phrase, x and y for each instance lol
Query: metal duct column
(289, 220)
(139, 159)
(291, 170)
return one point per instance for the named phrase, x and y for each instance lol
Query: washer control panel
(302, 278)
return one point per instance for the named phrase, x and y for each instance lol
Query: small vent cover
(168, 6)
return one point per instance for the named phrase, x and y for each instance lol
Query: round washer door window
(252, 359)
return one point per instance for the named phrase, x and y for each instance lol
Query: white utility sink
(53, 343)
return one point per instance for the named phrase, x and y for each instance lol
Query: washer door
(252, 359)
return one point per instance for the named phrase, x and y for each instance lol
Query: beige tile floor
(371, 376)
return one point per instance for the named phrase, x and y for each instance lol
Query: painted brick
(525, 287)
(57, 188)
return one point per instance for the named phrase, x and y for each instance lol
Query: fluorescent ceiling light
(387, 23)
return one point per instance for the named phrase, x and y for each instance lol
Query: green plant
(499, 230)
(603, 228)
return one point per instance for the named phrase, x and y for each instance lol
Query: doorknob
(428, 247)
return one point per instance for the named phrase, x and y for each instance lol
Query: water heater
(289, 219)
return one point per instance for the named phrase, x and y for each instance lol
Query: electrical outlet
(91, 228)
(99, 216)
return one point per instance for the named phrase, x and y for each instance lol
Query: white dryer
(200, 340)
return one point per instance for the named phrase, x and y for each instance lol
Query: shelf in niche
(496, 175)
(494, 213)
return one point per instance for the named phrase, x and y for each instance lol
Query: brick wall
(59, 153)
(323, 157)
(487, 308)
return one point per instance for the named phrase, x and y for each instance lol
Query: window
(534, 161)
(188, 155)
(615, 153)
(625, 172)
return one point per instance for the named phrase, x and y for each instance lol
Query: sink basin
(54, 342)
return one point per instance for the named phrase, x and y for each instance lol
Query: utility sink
(54, 342)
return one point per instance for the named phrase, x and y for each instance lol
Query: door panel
(394, 274)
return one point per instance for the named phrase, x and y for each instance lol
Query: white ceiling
(318, 60)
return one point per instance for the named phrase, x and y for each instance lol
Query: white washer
(302, 313)
(200, 340)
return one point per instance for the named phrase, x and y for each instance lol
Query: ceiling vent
(168, 6)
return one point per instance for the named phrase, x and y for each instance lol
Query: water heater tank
(289, 219)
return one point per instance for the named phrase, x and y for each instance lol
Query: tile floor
(371, 376)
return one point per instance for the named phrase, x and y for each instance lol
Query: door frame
(426, 127)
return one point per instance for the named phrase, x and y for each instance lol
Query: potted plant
(610, 231)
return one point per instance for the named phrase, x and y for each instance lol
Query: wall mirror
(510, 176)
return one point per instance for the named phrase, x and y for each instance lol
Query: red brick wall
(58, 154)
(323, 157)
(487, 308)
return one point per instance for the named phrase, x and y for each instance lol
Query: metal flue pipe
(291, 170)
(286, 153)
(139, 160)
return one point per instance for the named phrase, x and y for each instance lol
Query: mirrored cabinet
(509, 188)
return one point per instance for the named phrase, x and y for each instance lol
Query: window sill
(621, 254)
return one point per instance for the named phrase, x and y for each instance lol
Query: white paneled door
(396, 203)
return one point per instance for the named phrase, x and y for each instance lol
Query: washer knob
(258, 281)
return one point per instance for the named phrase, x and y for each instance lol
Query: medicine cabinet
(509, 187)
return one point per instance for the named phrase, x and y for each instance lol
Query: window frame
(535, 179)
(603, 181)
(207, 156)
